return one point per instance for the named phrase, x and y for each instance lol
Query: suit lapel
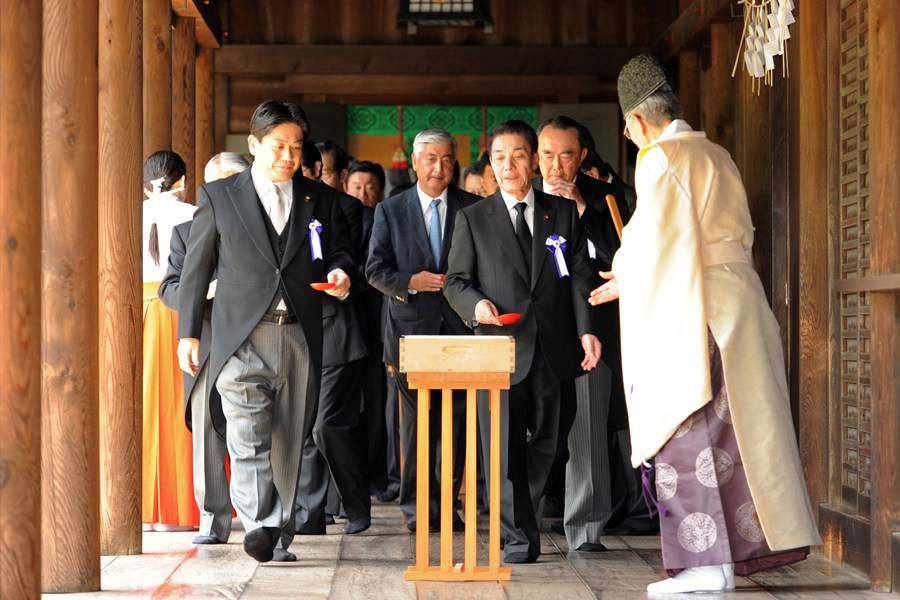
(502, 227)
(417, 223)
(449, 220)
(301, 214)
(542, 228)
(246, 205)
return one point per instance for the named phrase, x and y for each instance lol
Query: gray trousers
(269, 400)
(210, 482)
(588, 504)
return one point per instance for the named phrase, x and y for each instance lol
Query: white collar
(673, 128)
(425, 199)
(511, 200)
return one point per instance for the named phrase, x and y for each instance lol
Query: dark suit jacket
(229, 236)
(601, 231)
(168, 293)
(343, 334)
(371, 301)
(399, 249)
(485, 262)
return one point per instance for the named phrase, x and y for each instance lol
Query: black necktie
(523, 234)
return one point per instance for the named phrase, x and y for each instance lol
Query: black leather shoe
(389, 494)
(433, 527)
(519, 558)
(591, 547)
(458, 523)
(260, 543)
(355, 526)
(279, 555)
(311, 528)
(207, 539)
(329, 519)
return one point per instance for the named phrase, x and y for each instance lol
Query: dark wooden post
(884, 128)
(205, 111)
(120, 179)
(183, 69)
(157, 59)
(689, 79)
(20, 300)
(70, 457)
(717, 98)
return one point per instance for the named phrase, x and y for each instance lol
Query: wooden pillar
(183, 121)
(717, 98)
(812, 244)
(221, 105)
(119, 203)
(884, 128)
(689, 80)
(70, 458)
(157, 59)
(205, 111)
(20, 300)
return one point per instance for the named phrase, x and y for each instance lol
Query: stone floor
(371, 565)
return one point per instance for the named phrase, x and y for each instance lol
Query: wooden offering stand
(450, 363)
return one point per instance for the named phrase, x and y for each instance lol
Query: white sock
(696, 579)
(728, 571)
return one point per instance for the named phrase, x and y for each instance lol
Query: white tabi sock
(728, 570)
(696, 579)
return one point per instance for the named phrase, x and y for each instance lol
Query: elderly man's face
(514, 163)
(434, 168)
(365, 187)
(474, 184)
(560, 154)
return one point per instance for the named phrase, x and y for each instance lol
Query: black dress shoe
(359, 525)
(458, 523)
(329, 519)
(311, 528)
(591, 547)
(432, 527)
(389, 494)
(207, 539)
(279, 555)
(260, 543)
(519, 558)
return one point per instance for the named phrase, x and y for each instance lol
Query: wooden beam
(689, 81)
(600, 62)
(20, 300)
(204, 131)
(207, 25)
(157, 73)
(120, 168)
(884, 128)
(183, 116)
(717, 103)
(70, 458)
(691, 26)
(448, 86)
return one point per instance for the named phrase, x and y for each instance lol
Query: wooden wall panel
(157, 75)
(120, 178)
(205, 111)
(20, 300)
(70, 439)
(183, 101)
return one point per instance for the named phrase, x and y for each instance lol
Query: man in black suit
(563, 144)
(523, 251)
(333, 452)
(267, 234)
(407, 258)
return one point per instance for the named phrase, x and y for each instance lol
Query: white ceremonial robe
(684, 268)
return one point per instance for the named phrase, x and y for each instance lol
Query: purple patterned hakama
(710, 516)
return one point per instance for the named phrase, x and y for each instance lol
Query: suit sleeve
(381, 266)
(582, 277)
(200, 262)
(168, 287)
(461, 285)
(339, 249)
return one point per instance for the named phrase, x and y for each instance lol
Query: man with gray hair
(407, 261)
(701, 356)
(224, 164)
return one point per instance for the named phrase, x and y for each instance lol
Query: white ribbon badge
(315, 240)
(556, 244)
(592, 250)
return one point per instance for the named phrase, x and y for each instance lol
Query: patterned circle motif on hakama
(666, 481)
(697, 532)
(720, 404)
(684, 428)
(714, 467)
(746, 522)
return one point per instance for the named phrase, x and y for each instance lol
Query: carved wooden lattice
(853, 227)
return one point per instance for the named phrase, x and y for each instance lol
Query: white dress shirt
(511, 202)
(268, 192)
(425, 202)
